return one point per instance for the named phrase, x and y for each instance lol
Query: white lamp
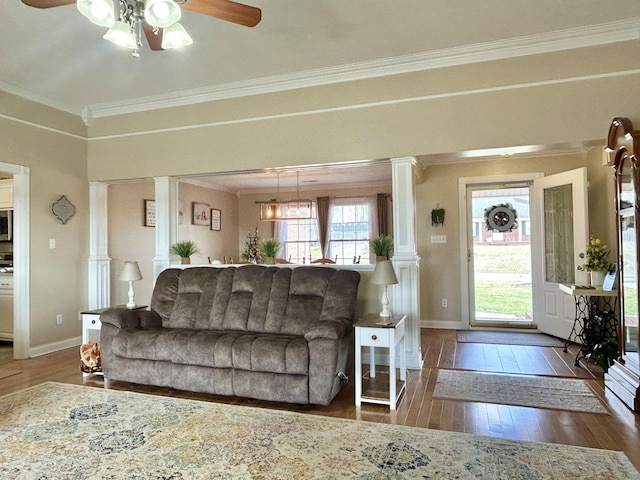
(100, 12)
(385, 275)
(131, 273)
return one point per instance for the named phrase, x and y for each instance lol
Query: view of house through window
(501, 249)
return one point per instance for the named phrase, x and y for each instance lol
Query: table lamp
(131, 273)
(385, 275)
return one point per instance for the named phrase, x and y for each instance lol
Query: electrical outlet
(59, 319)
(444, 303)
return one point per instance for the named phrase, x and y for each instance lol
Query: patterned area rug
(509, 338)
(522, 390)
(66, 431)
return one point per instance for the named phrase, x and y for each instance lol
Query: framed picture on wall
(200, 213)
(149, 213)
(216, 219)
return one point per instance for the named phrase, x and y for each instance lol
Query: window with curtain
(299, 240)
(352, 223)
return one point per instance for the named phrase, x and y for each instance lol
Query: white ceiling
(57, 57)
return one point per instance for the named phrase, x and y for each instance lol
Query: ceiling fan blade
(47, 3)
(155, 41)
(226, 10)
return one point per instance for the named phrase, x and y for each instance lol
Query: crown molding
(515, 47)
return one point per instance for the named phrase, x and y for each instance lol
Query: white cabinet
(6, 193)
(6, 308)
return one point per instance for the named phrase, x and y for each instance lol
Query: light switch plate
(438, 239)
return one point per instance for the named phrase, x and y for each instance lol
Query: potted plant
(381, 246)
(184, 250)
(268, 249)
(596, 261)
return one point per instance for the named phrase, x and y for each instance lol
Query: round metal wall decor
(501, 218)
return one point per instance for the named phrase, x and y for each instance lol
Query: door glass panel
(629, 261)
(629, 283)
(558, 224)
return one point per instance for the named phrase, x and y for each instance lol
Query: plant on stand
(184, 250)
(596, 261)
(381, 246)
(268, 248)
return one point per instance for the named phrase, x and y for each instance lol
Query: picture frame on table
(216, 219)
(200, 213)
(149, 213)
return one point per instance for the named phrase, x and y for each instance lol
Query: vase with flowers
(596, 261)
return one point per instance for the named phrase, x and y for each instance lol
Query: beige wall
(440, 263)
(213, 244)
(568, 96)
(129, 239)
(57, 158)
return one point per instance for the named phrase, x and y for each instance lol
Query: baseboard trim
(55, 347)
(444, 324)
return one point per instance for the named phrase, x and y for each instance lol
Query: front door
(561, 232)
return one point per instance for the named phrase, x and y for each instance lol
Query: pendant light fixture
(298, 209)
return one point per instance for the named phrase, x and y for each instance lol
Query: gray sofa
(270, 333)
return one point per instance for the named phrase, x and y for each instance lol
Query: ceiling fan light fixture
(121, 35)
(161, 13)
(100, 12)
(175, 36)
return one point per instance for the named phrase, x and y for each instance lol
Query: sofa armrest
(330, 329)
(125, 318)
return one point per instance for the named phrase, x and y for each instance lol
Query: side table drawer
(374, 337)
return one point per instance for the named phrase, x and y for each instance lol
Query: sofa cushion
(271, 353)
(256, 352)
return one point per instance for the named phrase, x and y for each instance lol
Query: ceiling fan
(158, 19)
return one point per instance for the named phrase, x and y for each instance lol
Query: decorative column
(99, 260)
(406, 294)
(166, 197)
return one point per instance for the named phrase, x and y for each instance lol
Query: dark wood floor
(618, 431)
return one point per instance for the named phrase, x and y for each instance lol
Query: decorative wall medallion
(63, 209)
(501, 218)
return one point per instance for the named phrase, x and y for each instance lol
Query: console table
(595, 318)
(370, 333)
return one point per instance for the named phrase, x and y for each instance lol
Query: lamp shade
(161, 13)
(130, 272)
(384, 274)
(121, 35)
(175, 36)
(100, 12)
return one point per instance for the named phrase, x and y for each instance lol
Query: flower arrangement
(251, 250)
(596, 257)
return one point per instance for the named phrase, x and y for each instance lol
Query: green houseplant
(184, 250)
(268, 248)
(381, 246)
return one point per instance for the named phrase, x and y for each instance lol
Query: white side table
(370, 334)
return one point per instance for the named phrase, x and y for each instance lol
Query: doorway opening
(501, 293)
